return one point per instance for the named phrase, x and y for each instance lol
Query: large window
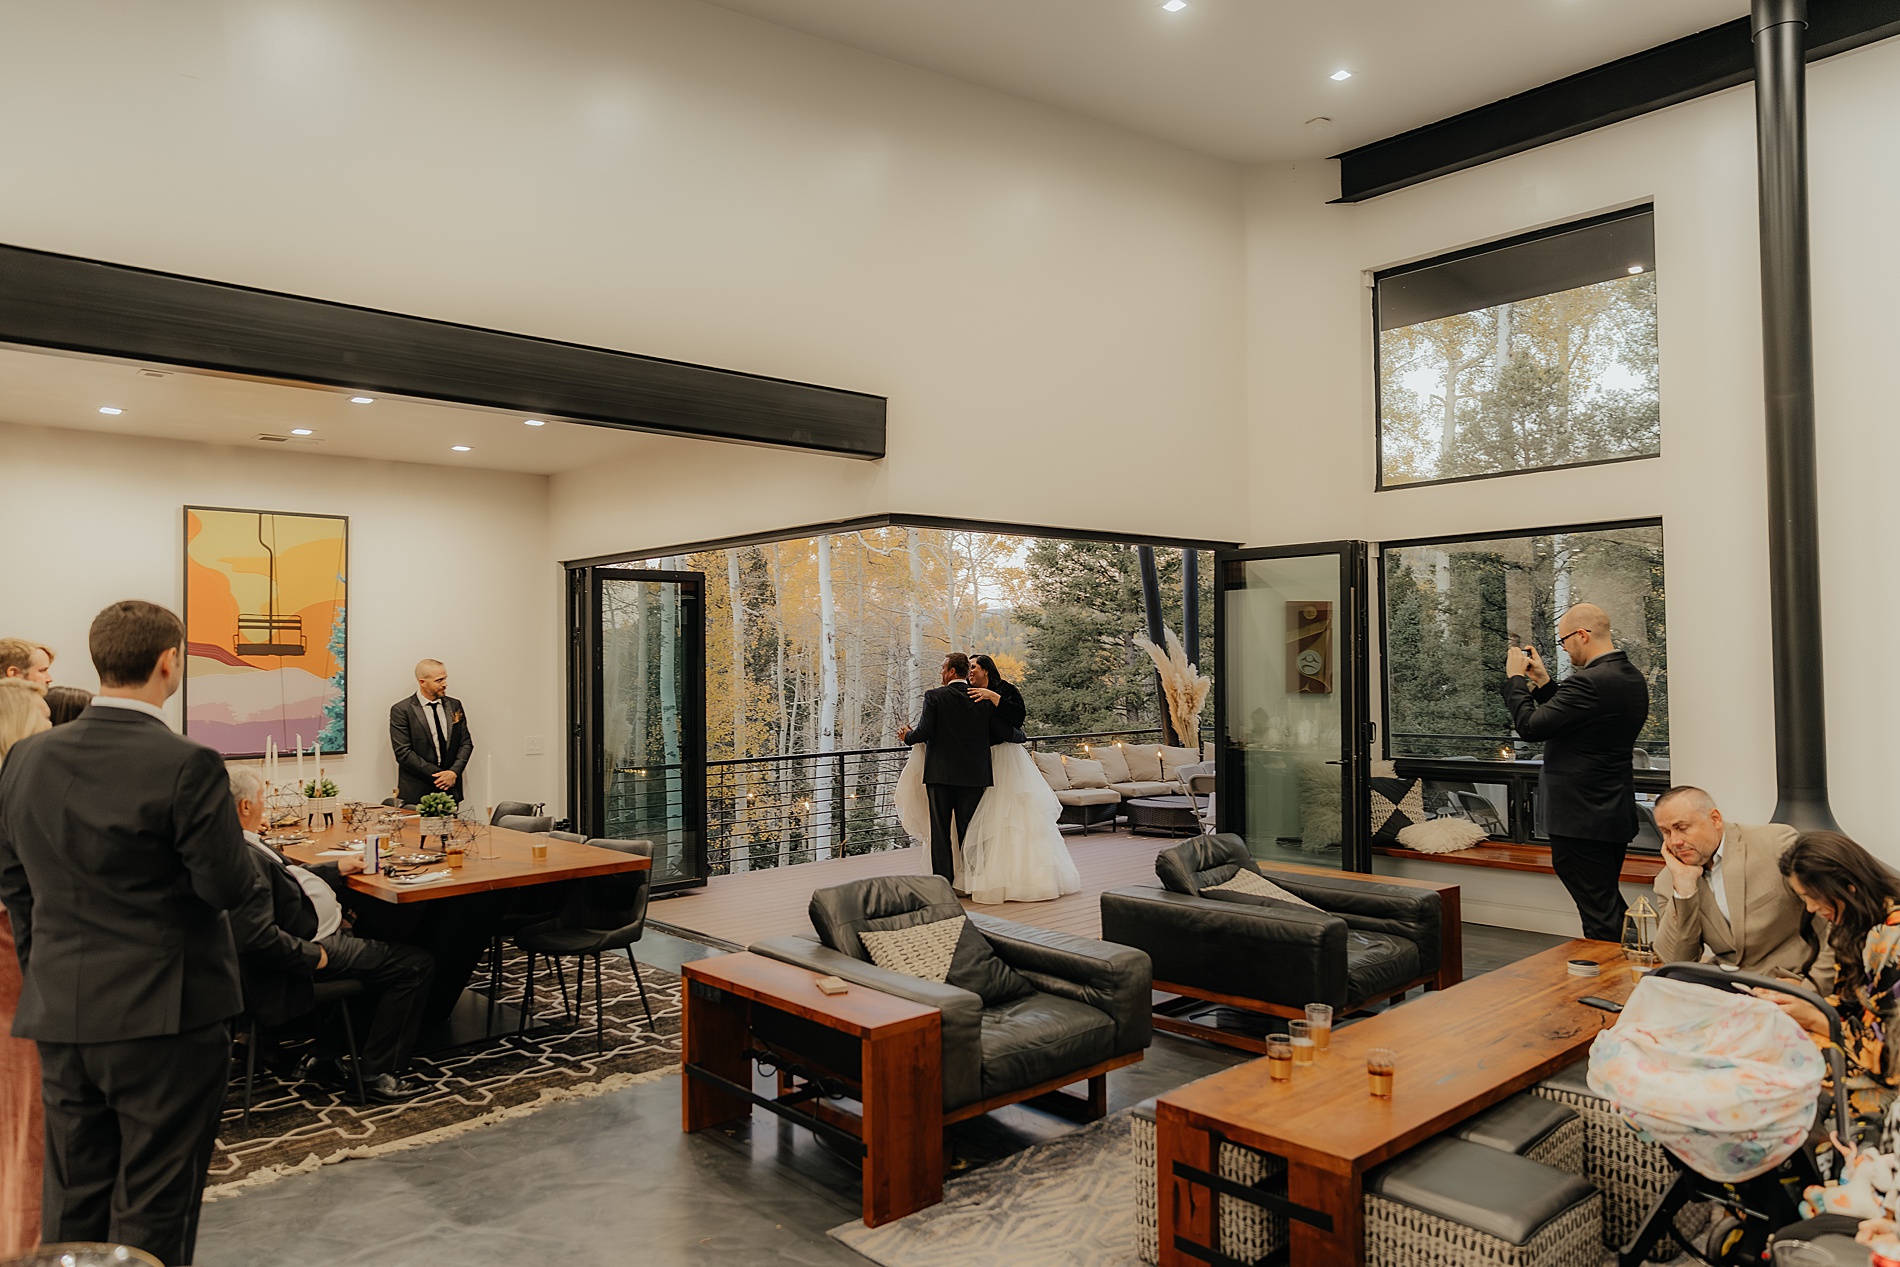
(1523, 355)
(1453, 607)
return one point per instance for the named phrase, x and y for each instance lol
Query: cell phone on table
(1591, 1000)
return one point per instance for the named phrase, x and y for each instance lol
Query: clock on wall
(1309, 648)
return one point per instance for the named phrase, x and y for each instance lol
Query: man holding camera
(1588, 725)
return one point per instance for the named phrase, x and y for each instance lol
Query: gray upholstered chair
(573, 837)
(1087, 1010)
(541, 823)
(513, 809)
(1366, 942)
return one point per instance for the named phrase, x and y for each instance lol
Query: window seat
(1503, 855)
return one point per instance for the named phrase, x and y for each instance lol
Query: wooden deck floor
(735, 910)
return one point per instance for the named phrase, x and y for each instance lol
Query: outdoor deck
(735, 910)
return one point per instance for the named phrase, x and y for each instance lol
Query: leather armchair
(1088, 1013)
(1367, 941)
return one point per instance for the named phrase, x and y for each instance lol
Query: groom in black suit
(957, 732)
(429, 735)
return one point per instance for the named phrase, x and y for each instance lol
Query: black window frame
(1379, 483)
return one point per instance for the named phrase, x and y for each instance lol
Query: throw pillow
(1253, 882)
(1172, 759)
(1114, 764)
(1320, 806)
(1084, 773)
(1050, 763)
(1396, 805)
(1443, 835)
(922, 950)
(975, 967)
(1144, 762)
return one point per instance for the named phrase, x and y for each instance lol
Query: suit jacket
(120, 853)
(1588, 725)
(274, 931)
(414, 745)
(959, 732)
(1762, 931)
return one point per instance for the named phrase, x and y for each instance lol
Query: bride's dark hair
(989, 667)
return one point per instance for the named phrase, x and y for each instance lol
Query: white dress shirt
(437, 711)
(136, 705)
(322, 897)
(1717, 889)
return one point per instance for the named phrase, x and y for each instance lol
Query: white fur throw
(1442, 835)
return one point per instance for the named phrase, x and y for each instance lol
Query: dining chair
(601, 914)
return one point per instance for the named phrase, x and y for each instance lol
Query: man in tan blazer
(1721, 896)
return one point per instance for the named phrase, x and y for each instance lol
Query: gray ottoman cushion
(1516, 1125)
(1497, 1193)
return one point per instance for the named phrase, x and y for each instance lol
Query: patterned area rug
(297, 1127)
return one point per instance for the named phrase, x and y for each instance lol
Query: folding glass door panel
(641, 746)
(1292, 702)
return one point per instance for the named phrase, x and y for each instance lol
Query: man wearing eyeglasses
(1588, 725)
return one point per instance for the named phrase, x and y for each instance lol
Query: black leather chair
(325, 994)
(598, 915)
(1088, 1013)
(1368, 941)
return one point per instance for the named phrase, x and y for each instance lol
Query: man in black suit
(1588, 724)
(293, 932)
(958, 732)
(430, 736)
(120, 855)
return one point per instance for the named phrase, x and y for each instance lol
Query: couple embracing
(971, 789)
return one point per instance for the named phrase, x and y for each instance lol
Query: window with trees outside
(1452, 608)
(1523, 355)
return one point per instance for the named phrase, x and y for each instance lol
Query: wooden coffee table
(897, 1079)
(1459, 1050)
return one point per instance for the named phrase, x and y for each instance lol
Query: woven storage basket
(1632, 1172)
(1562, 1148)
(1247, 1232)
(1401, 1236)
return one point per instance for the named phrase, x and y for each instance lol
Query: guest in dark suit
(958, 731)
(292, 933)
(1588, 724)
(430, 736)
(120, 855)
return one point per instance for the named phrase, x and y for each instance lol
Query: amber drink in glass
(1301, 1035)
(1381, 1063)
(1319, 1016)
(1279, 1058)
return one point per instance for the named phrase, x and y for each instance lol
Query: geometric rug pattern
(297, 1126)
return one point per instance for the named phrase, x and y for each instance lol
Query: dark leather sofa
(1088, 1012)
(1370, 941)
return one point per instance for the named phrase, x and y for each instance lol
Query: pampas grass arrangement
(1184, 685)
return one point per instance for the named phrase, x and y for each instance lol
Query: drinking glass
(1279, 1057)
(1319, 1016)
(1381, 1063)
(1301, 1034)
(538, 850)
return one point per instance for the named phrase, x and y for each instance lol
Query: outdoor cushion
(1090, 796)
(1377, 962)
(1040, 1037)
(1144, 762)
(1172, 759)
(1050, 764)
(1132, 790)
(1114, 764)
(1085, 773)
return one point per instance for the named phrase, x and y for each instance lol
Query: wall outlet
(535, 744)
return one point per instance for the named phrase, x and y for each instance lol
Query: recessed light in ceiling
(1175, 6)
(301, 431)
(533, 422)
(459, 448)
(362, 400)
(1341, 75)
(108, 409)
(1635, 269)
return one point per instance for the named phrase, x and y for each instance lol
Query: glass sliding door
(1291, 624)
(640, 747)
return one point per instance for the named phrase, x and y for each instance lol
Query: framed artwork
(1309, 648)
(266, 630)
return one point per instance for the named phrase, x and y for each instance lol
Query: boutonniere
(458, 717)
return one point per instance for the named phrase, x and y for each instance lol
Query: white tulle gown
(1015, 852)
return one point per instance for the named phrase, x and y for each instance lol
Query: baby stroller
(1756, 1208)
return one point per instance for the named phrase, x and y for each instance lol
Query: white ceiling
(1239, 79)
(44, 389)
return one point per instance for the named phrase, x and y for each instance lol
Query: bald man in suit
(429, 734)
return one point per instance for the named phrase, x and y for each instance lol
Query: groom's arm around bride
(957, 732)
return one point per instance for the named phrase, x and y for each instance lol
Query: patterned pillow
(1396, 805)
(1253, 882)
(922, 950)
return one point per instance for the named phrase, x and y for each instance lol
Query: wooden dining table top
(1458, 1050)
(513, 865)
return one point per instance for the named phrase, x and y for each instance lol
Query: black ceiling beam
(81, 305)
(1681, 70)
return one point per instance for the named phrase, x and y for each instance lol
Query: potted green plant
(436, 808)
(319, 797)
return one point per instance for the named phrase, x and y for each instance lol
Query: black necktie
(441, 733)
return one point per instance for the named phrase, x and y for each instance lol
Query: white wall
(1052, 295)
(1311, 399)
(451, 564)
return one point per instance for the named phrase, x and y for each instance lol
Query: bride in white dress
(1015, 852)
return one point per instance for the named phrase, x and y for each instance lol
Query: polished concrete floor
(611, 1180)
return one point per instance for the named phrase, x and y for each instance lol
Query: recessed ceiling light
(301, 431)
(533, 422)
(362, 400)
(1635, 269)
(108, 409)
(1175, 6)
(1341, 75)
(459, 448)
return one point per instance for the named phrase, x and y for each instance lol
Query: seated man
(291, 932)
(1721, 896)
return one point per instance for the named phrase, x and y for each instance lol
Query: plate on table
(412, 859)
